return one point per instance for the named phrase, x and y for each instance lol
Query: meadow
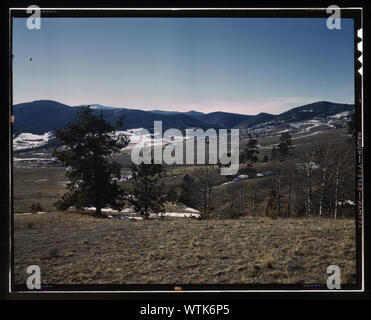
(73, 248)
(77, 248)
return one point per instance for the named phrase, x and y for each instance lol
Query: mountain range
(41, 116)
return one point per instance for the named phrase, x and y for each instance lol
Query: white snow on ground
(30, 140)
(297, 124)
(310, 123)
(314, 123)
(123, 178)
(307, 135)
(350, 202)
(283, 131)
(243, 176)
(179, 215)
(34, 159)
(228, 182)
(166, 214)
(27, 213)
(191, 209)
(122, 217)
(184, 207)
(136, 136)
(142, 137)
(340, 115)
(103, 209)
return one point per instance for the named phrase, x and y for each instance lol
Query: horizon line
(193, 109)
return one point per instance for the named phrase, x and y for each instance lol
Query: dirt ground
(72, 248)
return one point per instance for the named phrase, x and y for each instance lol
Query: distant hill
(164, 112)
(256, 120)
(321, 109)
(317, 109)
(191, 113)
(194, 113)
(224, 119)
(43, 116)
(46, 115)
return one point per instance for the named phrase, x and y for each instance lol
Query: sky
(240, 65)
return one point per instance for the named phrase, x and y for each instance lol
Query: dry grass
(80, 249)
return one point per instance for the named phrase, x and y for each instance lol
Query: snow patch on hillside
(340, 115)
(31, 140)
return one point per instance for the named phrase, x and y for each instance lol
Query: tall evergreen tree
(171, 196)
(190, 191)
(147, 196)
(286, 145)
(86, 146)
(274, 153)
(251, 152)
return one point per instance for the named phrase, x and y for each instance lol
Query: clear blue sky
(239, 65)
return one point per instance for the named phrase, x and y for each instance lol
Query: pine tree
(86, 146)
(171, 196)
(190, 191)
(251, 152)
(286, 145)
(274, 153)
(147, 196)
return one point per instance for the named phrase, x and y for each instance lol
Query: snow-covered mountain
(35, 122)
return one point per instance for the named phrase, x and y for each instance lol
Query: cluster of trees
(197, 192)
(314, 181)
(322, 180)
(318, 179)
(87, 145)
(279, 152)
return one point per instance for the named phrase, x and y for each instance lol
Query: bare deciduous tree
(208, 179)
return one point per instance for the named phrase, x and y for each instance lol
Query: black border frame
(346, 13)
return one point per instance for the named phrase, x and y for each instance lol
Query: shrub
(36, 207)
(232, 213)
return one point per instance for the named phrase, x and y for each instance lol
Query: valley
(178, 246)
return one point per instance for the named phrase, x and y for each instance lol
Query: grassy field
(37, 184)
(72, 248)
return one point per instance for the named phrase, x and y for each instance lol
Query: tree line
(317, 184)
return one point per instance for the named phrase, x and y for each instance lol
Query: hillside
(42, 116)
(39, 117)
(321, 109)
